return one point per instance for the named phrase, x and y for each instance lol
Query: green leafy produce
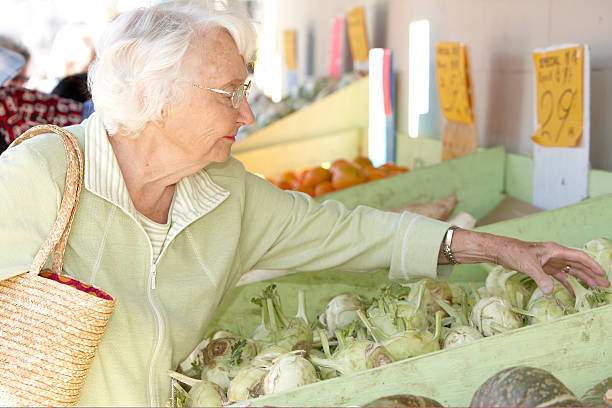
(324, 373)
(432, 290)
(340, 312)
(292, 333)
(460, 335)
(494, 315)
(268, 354)
(587, 299)
(560, 294)
(523, 387)
(224, 357)
(202, 393)
(600, 250)
(511, 285)
(544, 309)
(287, 372)
(246, 384)
(182, 398)
(352, 355)
(409, 343)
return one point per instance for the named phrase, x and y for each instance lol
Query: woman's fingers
(577, 270)
(580, 272)
(580, 265)
(543, 280)
(562, 278)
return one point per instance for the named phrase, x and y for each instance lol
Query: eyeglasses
(241, 92)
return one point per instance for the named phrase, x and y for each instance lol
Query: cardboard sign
(561, 174)
(559, 87)
(453, 82)
(289, 43)
(458, 139)
(355, 21)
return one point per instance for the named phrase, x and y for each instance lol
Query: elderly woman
(168, 221)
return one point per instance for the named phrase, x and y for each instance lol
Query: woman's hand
(540, 260)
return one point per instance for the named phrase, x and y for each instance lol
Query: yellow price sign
(454, 82)
(358, 39)
(289, 42)
(559, 77)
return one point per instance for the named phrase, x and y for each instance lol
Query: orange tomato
(373, 173)
(347, 176)
(300, 174)
(288, 176)
(323, 188)
(316, 176)
(306, 189)
(284, 185)
(362, 161)
(393, 167)
(338, 164)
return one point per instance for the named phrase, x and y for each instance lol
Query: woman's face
(204, 125)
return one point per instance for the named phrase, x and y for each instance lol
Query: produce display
(267, 111)
(341, 174)
(353, 333)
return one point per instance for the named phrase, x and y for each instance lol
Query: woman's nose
(245, 114)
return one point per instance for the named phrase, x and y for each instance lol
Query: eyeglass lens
(240, 93)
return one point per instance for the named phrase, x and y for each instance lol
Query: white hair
(138, 69)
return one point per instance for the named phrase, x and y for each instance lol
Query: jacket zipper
(160, 330)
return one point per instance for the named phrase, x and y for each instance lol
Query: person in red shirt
(21, 108)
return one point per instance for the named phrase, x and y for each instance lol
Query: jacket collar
(195, 195)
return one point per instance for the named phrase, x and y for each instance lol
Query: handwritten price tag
(559, 79)
(289, 40)
(453, 82)
(355, 22)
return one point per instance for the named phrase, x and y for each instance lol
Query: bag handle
(58, 237)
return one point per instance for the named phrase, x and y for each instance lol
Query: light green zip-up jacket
(232, 221)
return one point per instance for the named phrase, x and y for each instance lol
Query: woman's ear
(160, 121)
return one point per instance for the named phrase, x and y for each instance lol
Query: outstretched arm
(540, 260)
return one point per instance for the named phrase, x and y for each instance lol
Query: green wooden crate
(577, 348)
(476, 179)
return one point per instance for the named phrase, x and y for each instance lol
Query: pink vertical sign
(334, 66)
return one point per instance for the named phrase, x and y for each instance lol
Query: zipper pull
(153, 274)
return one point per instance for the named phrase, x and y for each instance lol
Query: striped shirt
(194, 196)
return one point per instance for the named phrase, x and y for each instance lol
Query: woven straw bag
(50, 326)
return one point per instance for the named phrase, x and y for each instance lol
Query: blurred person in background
(10, 64)
(22, 108)
(21, 77)
(73, 87)
(168, 221)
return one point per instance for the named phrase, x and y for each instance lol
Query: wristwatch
(446, 245)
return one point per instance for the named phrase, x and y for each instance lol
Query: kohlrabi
(202, 393)
(287, 372)
(407, 343)
(352, 355)
(511, 285)
(494, 315)
(246, 384)
(340, 312)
